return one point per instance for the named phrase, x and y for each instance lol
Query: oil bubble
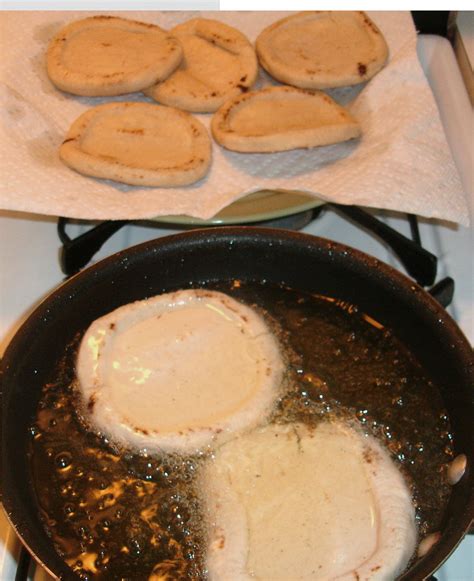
(63, 460)
(69, 509)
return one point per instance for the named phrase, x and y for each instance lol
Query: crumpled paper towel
(402, 162)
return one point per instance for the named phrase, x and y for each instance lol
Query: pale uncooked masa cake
(280, 119)
(321, 50)
(105, 55)
(139, 144)
(219, 62)
(179, 371)
(292, 502)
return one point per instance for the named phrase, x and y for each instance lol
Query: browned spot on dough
(132, 131)
(242, 88)
(370, 24)
(375, 568)
(141, 431)
(368, 456)
(310, 72)
(243, 79)
(112, 326)
(69, 139)
(214, 94)
(106, 44)
(362, 69)
(230, 307)
(91, 402)
(144, 24)
(221, 543)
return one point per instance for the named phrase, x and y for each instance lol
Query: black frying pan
(301, 261)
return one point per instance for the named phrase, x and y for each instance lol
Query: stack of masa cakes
(206, 66)
(198, 372)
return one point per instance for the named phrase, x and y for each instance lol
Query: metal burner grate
(77, 252)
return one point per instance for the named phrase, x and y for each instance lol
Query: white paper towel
(402, 162)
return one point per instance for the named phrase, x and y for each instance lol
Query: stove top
(30, 267)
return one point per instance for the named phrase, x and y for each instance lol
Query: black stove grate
(77, 252)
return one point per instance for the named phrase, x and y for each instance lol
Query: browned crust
(222, 132)
(209, 99)
(116, 83)
(315, 76)
(195, 168)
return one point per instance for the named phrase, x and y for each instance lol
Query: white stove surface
(29, 265)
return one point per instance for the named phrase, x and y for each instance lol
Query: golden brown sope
(105, 55)
(321, 50)
(219, 63)
(280, 119)
(138, 144)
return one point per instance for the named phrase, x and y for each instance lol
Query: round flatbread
(320, 50)
(179, 371)
(139, 144)
(219, 63)
(282, 118)
(293, 502)
(104, 55)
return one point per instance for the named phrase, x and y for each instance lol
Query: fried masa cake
(294, 502)
(179, 371)
(280, 119)
(105, 55)
(219, 63)
(139, 144)
(322, 49)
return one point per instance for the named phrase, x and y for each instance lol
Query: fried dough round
(293, 502)
(219, 63)
(321, 50)
(105, 55)
(138, 144)
(282, 118)
(179, 371)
